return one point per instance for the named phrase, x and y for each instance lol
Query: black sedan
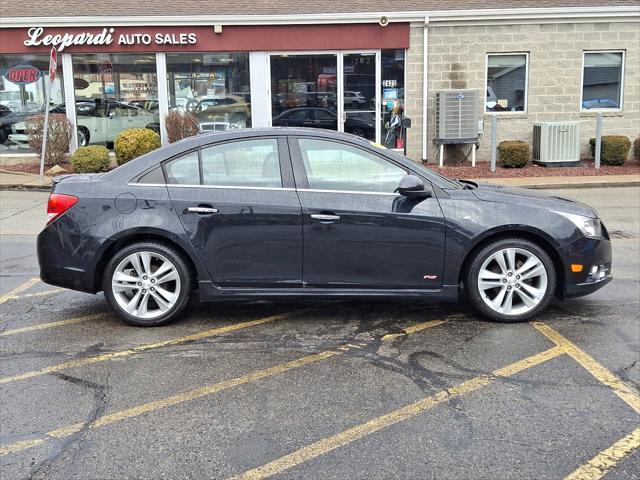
(305, 212)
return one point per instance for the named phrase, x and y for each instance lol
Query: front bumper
(594, 254)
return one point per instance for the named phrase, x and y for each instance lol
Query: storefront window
(114, 92)
(23, 80)
(304, 91)
(602, 80)
(213, 86)
(392, 95)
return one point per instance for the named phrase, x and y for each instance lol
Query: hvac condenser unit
(556, 143)
(457, 116)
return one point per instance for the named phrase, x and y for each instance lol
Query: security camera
(384, 21)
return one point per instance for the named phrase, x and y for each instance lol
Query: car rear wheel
(147, 284)
(83, 136)
(511, 280)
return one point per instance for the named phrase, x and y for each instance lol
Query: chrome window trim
(227, 187)
(357, 192)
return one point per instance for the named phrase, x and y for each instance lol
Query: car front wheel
(511, 280)
(147, 284)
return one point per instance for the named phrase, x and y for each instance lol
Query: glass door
(359, 112)
(304, 90)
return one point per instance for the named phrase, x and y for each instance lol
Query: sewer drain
(620, 234)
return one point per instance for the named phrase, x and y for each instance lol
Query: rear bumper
(68, 260)
(595, 257)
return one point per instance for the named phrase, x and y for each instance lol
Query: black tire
(476, 296)
(172, 255)
(83, 136)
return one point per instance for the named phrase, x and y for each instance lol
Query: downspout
(425, 88)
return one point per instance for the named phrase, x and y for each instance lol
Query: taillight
(58, 204)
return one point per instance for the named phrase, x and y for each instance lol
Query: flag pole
(45, 130)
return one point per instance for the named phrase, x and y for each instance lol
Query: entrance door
(304, 90)
(360, 95)
(332, 90)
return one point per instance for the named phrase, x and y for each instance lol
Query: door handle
(325, 218)
(202, 210)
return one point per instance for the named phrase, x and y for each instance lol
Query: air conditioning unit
(457, 116)
(556, 143)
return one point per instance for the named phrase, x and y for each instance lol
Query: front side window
(506, 82)
(602, 80)
(247, 163)
(337, 166)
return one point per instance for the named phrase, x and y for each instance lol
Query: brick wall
(457, 59)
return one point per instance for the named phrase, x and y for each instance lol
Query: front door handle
(202, 210)
(325, 218)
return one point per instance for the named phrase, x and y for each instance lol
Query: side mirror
(412, 187)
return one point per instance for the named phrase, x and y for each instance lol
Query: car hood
(528, 197)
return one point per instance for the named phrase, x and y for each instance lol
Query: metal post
(494, 141)
(473, 154)
(45, 130)
(598, 139)
(441, 155)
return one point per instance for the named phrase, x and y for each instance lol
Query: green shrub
(513, 153)
(92, 159)
(614, 149)
(636, 149)
(134, 142)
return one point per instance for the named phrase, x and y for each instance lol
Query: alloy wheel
(146, 284)
(512, 281)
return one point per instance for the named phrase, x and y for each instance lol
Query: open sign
(23, 74)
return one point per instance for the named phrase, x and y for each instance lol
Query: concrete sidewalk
(29, 180)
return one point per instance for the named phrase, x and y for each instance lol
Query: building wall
(457, 59)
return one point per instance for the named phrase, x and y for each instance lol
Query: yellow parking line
(59, 323)
(80, 362)
(600, 372)
(359, 431)
(39, 294)
(19, 289)
(418, 327)
(184, 397)
(599, 465)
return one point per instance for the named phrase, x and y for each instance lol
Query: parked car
(99, 121)
(354, 100)
(306, 212)
(227, 113)
(360, 125)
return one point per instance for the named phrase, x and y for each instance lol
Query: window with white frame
(507, 75)
(602, 78)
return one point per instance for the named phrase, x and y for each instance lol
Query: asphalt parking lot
(349, 389)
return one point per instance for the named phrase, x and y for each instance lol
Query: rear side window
(183, 170)
(246, 163)
(155, 176)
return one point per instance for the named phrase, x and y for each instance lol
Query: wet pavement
(331, 389)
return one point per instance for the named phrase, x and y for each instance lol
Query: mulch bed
(585, 169)
(33, 167)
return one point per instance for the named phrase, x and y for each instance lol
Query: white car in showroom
(99, 121)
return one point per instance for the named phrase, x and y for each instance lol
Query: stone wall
(457, 59)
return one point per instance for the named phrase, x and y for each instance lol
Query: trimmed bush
(181, 125)
(58, 139)
(513, 153)
(92, 159)
(614, 149)
(134, 142)
(636, 149)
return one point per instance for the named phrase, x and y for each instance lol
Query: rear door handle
(202, 210)
(325, 217)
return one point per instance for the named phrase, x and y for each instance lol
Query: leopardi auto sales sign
(36, 37)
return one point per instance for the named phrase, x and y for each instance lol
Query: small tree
(135, 142)
(58, 139)
(181, 125)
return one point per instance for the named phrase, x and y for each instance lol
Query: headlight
(590, 227)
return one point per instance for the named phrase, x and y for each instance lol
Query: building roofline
(441, 17)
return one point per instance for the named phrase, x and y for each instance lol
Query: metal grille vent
(555, 142)
(457, 116)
